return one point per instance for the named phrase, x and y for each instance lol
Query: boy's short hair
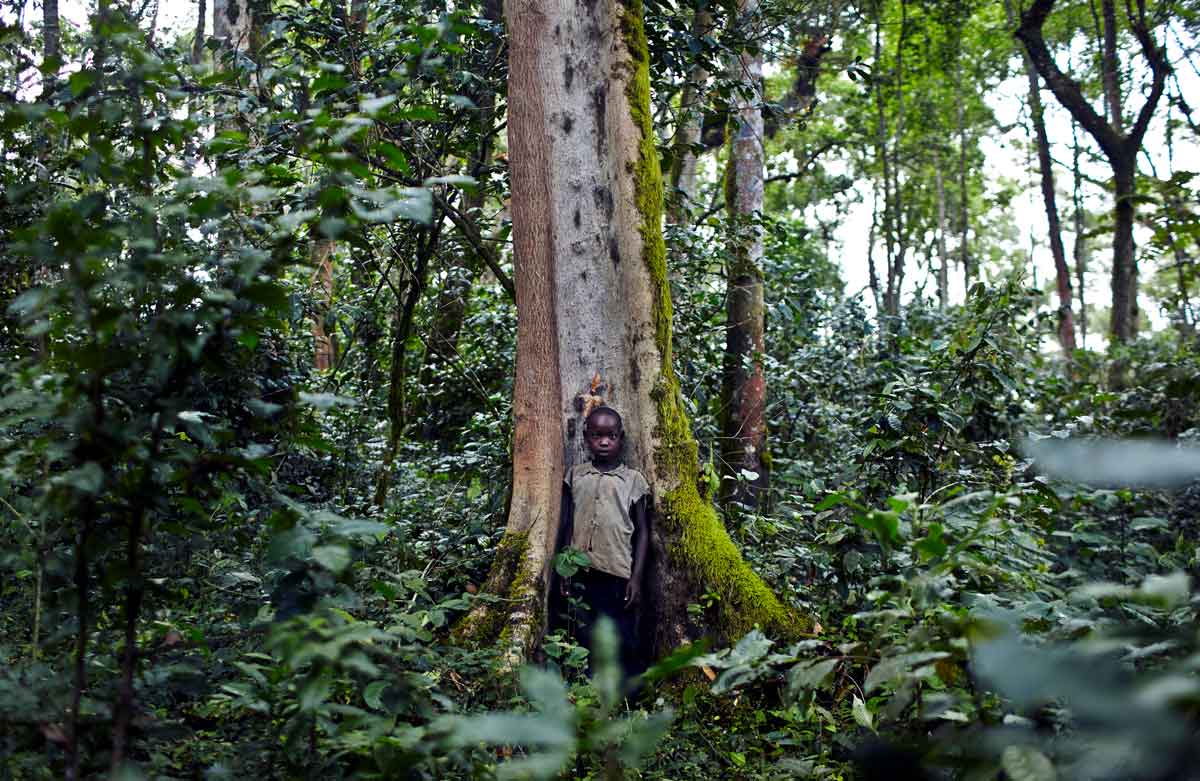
(605, 410)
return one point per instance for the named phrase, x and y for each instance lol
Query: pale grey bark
(233, 23)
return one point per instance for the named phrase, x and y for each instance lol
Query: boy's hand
(633, 593)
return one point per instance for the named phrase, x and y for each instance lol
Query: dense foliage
(219, 560)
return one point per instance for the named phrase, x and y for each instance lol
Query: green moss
(704, 548)
(648, 185)
(482, 625)
(701, 544)
(523, 591)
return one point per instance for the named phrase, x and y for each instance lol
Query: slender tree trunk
(886, 223)
(594, 321)
(872, 272)
(970, 272)
(894, 224)
(321, 259)
(1110, 65)
(51, 45)
(943, 271)
(1062, 274)
(198, 39)
(397, 408)
(1080, 248)
(1124, 272)
(744, 450)
(681, 187)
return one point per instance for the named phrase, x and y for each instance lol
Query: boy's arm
(633, 591)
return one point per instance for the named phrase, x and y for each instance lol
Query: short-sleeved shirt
(603, 524)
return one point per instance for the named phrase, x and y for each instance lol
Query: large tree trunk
(1062, 273)
(594, 319)
(1119, 147)
(745, 459)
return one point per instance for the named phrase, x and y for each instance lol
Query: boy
(604, 515)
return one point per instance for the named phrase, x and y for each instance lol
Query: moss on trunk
(485, 622)
(695, 542)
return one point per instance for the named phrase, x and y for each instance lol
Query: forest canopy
(303, 306)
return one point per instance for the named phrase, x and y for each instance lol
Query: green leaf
(80, 80)
(644, 734)
(811, 675)
(933, 546)
(373, 695)
(569, 561)
(326, 401)
(334, 558)
(86, 479)
(831, 501)
(894, 667)
(862, 716)
(372, 106)
(1025, 763)
(314, 691)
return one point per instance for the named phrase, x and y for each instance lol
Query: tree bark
(970, 271)
(1119, 147)
(51, 45)
(321, 260)
(1124, 272)
(233, 23)
(744, 387)
(1062, 273)
(594, 320)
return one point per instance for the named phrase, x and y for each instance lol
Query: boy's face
(603, 437)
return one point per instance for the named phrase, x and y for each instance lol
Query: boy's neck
(606, 466)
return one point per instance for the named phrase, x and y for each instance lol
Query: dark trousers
(602, 594)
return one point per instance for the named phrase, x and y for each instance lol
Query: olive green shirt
(603, 524)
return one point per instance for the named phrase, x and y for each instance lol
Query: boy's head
(603, 433)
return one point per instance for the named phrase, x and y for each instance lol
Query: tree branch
(1065, 88)
(1159, 66)
(471, 234)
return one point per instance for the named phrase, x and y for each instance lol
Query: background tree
(1119, 147)
(745, 458)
